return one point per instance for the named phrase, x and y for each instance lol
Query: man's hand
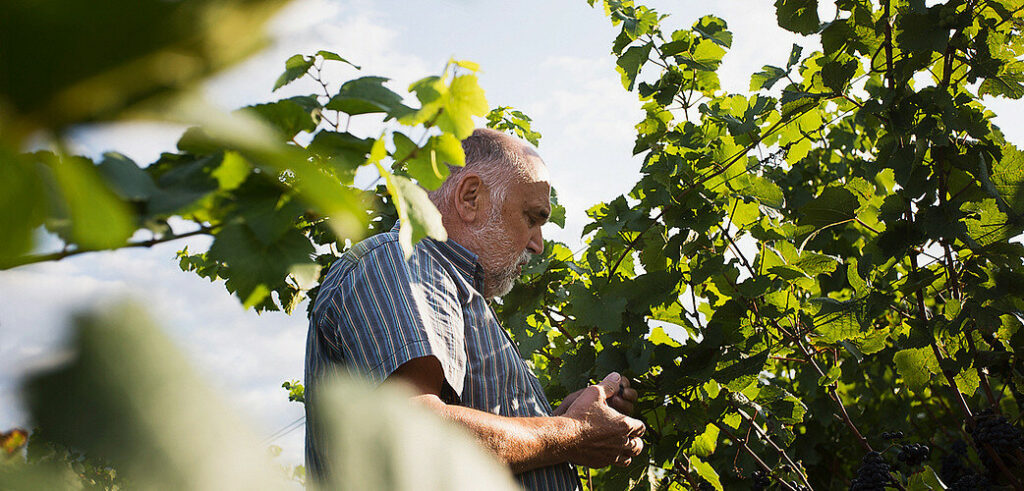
(589, 431)
(622, 401)
(606, 435)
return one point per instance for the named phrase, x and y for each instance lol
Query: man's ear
(472, 198)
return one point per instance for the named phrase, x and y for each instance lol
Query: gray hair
(499, 159)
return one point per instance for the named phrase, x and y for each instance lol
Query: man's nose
(536, 244)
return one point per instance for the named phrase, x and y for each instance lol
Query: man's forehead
(536, 169)
(536, 194)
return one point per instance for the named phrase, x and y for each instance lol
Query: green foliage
(277, 210)
(296, 391)
(805, 266)
(507, 118)
(87, 70)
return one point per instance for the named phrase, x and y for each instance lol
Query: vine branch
(57, 256)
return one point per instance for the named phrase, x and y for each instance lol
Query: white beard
(500, 269)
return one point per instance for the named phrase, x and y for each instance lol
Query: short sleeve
(388, 311)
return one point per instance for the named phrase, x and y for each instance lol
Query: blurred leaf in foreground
(128, 397)
(84, 61)
(379, 440)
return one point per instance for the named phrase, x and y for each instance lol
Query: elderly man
(426, 321)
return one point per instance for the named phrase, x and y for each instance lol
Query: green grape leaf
(288, 116)
(834, 205)
(705, 471)
(917, 32)
(673, 314)
(127, 179)
(788, 273)
(704, 444)
(967, 381)
(985, 223)
(603, 313)
(766, 78)
(429, 164)
(181, 181)
(254, 268)
(794, 56)
(133, 419)
(463, 100)
(99, 220)
(860, 287)
(418, 215)
(328, 55)
(233, 171)
(838, 320)
(509, 119)
(368, 95)
(557, 216)
(799, 16)
(294, 68)
(916, 366)
(1009, 84)
(836, 75)
(742, 372)
(705, 56)
(714, 29)
(1007, 177)
(94, 68)
(344, 152)
(815, 264)
(431, 92)
(630, 63)
(24, 189)
(658, 336)
(763, 190)
(925, 480)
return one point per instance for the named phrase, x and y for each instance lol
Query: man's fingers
(634, 446)
(628, 394)
(636, 427)
(610, 385)
(621, 405)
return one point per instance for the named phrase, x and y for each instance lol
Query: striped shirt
(376, 311)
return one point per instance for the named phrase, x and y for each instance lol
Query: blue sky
(549, 59)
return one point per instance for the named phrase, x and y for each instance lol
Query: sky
(549, 59)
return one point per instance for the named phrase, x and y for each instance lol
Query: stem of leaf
(743, 444)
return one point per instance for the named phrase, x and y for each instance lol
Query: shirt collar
(464, 260)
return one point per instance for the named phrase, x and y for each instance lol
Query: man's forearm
(521, 443)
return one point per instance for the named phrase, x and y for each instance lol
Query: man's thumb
(610, 384)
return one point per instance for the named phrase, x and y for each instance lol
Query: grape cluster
(953, 466)
(914, 454)
(893, 435)
(761, 480)
(872, 475)
(970, 482)
(995, 431)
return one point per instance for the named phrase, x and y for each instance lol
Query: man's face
(512, 233)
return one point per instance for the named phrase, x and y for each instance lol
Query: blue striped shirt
(376, 311)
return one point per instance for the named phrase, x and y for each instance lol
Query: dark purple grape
(872, 475)
(761, 480)
(993, 430)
